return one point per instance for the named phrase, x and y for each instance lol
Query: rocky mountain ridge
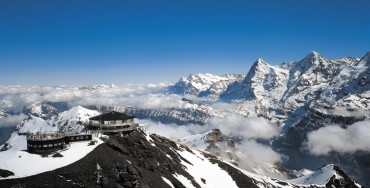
(205, 85)
(141, 160)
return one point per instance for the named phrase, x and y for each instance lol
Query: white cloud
(258, 158)
(172, 130)
(334, 138)
(230, 125)
(12, 121)
(235, 125)
(139, 96)
(258, 152)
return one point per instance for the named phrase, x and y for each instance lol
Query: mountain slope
(73, 119)
(141, 160)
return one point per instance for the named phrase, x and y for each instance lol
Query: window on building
(45, 145)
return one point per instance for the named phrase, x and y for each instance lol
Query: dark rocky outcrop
(344, 182)
(215, 136)
(5, 173)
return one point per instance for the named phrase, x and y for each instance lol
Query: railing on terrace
(118, 130)
(53, 135)
(113, 124)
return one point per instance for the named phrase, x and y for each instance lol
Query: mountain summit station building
(112, 122)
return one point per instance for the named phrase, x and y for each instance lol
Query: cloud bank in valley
(254, 156)
(173, 131)
(327, 139)
(11, 121)
(258, 158)
(230, 125)
(140, 96)
(250, 128)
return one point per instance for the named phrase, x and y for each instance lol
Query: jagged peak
(199, 76)
(260, 61)
(312, 59)
(366, 59)
(76, 109)
(77, 112)
(312, 55)
(367, 54)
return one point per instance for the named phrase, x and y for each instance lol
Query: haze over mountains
(305, 114)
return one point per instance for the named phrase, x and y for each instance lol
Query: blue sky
(127, 41)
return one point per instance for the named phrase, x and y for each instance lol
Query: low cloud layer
(139, 96)
(250, 128)
(172, 130)
(334, 138)
(11, 121)
(261, 153)
(230, 125)
(258, 158)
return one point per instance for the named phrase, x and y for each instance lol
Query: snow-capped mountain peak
(260, 61)
(313, 54)
(329, 175)
(77, 113)
(365, 60)
(73, 119)
(202, 84)
(35, 124)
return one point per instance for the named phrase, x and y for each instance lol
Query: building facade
(49, 142)
(112, 122)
